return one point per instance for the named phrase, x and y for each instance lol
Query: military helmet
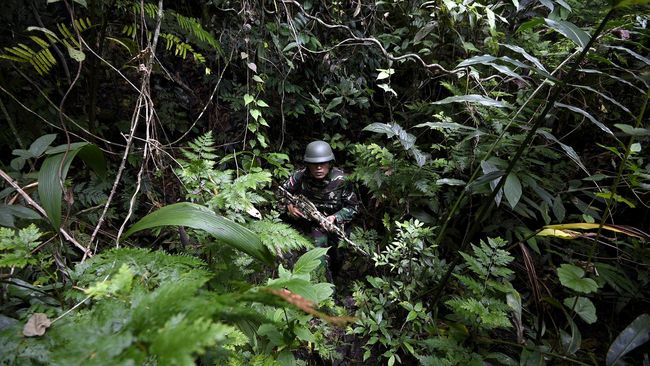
(318, 152)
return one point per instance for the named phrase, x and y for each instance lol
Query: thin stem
(486, 207)
(619, 175)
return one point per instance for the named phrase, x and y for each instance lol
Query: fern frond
(41, 58)
(279, 237)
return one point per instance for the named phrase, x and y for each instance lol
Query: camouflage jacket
(332, 195)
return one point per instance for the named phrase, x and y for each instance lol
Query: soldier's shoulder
(298, 174)
(337, 174)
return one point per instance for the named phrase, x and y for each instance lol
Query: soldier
(326, 187)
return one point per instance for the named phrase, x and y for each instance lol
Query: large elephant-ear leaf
(55, 169)
(202, 218)
(636, 334)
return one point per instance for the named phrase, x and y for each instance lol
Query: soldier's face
(319, 170)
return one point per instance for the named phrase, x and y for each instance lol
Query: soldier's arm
(350, 205)
(292, 185)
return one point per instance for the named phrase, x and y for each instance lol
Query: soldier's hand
(294, 211)
(329, 222)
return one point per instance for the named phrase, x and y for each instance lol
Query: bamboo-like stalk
(486, 207)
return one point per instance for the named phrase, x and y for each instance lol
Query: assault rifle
(310, 211)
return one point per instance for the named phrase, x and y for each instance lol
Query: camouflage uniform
(332, 195)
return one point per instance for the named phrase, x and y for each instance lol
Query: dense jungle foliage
(499, 149)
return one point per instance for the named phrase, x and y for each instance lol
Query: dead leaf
(308, 307)
(36, 325)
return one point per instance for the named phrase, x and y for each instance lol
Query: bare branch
(368, 40)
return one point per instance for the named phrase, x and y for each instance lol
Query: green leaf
(634, 335)
(573, 277)
(304, 334)
(380, 128)
(589, 116)
(569, 30)
(309, 261)
(526, 55)
(248, 99)
(571, 342)
(473, 98)
(583, 307)
(632, 131)
(385, 73)
(512, 190)
(77, 55)
(645, 60)
(49, 179)
(261, 103)
(255, 113)
(624, 3)
(38, 147)
(199, 217)
(387, 89)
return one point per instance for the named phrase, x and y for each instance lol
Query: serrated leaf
(472, 98)
(202, 218)
(569, 30)
(573, 277)
(634, 335)
(583, 307)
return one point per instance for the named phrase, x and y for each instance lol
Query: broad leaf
(583, 307)
(569, 30)
(309, 261)
(512, 190)
(54, 170)
(380, 128)
(573, 277)
(473, 98)
(632, 131)
(634, 335)
(38, 147)
(199, 217)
